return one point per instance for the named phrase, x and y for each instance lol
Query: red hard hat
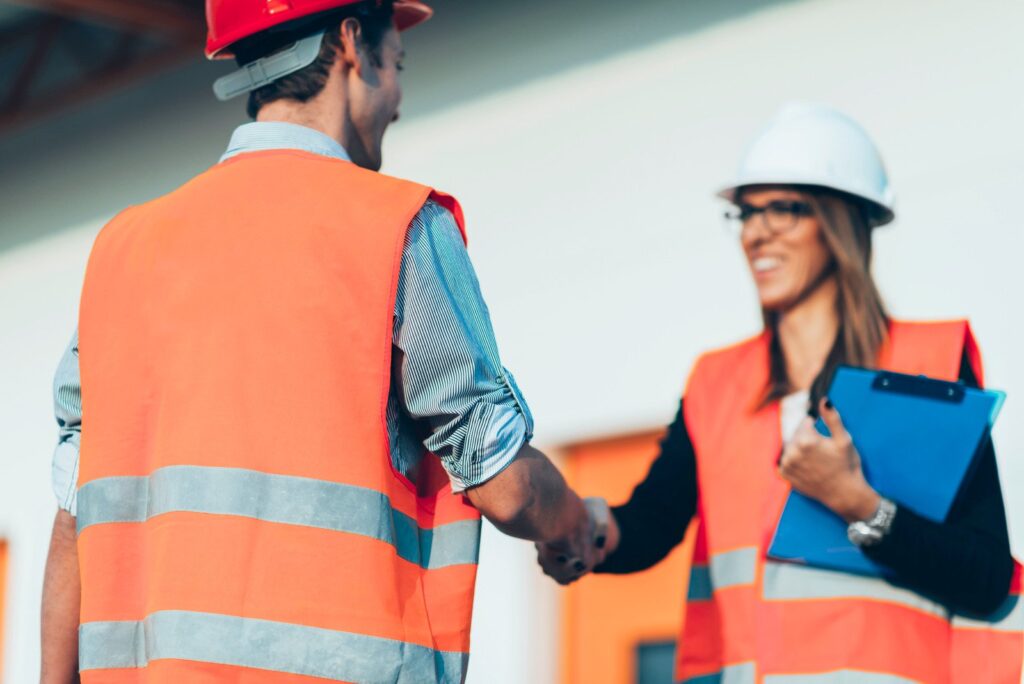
(229, 21)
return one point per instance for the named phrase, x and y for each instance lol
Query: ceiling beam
(45, 36)
(12, 34)
(181, 20)
(95, 85)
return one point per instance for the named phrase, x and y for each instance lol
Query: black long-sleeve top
(964, 562)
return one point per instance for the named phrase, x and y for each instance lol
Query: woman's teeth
(766, 264)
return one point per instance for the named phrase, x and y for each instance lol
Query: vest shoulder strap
(725, 362)
(934, 348)
(731, 376)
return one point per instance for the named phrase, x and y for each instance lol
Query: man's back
(283, 253)
(295, 530)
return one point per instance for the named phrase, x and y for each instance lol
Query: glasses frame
(777, 217)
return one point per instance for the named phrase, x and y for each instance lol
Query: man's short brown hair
(375, 18)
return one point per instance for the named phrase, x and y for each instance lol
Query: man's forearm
(530, 500)
(61, 600)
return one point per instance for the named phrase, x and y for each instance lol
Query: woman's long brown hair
(863, 320)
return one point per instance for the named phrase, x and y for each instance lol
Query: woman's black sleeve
(655, 518)
(964, 562)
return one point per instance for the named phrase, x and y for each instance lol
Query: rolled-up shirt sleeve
(67, 409)
(450, 377)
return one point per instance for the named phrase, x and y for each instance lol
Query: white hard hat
(813, 144)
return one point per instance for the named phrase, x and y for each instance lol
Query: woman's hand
(562, 565)
(828, 468)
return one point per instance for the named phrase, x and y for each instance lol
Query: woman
(811, 189)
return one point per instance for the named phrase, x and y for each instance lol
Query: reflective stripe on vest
(239, 515)
(745, 673)
(790, 582)
(744, 610)
(838, 677)
(279, 499)
(279, 647)
(742, 673)
(727, 569)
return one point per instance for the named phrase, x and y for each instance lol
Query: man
(295, 408)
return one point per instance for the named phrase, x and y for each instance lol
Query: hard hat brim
(881, 214)
(410, 13)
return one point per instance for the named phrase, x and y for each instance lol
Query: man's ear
(349, 52)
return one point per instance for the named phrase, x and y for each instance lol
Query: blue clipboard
(918, 439)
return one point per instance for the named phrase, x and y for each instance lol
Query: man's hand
(567, 561)
(530, 500)
(828, 469)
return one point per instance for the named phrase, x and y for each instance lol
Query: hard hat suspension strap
(266, 70)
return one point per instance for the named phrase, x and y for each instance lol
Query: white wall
(38, 307)
(584, 140)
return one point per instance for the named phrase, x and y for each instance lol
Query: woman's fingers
(600, 516)
(830, 415)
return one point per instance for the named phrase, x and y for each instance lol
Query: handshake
(593, 540)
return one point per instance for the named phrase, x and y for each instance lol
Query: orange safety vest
(239, 515)
(749, 619)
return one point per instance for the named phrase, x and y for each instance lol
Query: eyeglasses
(778, 216)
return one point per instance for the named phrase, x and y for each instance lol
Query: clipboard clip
(919, 386)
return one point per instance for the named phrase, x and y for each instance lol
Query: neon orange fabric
(991, 649)
(235, 342)
(748, 617)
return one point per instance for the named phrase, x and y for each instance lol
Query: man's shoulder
(436, 229)
(436, 215)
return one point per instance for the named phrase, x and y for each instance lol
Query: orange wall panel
(606, 616)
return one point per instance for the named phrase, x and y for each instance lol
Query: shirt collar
(277, 135)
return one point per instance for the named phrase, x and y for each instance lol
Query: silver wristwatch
(871, 531)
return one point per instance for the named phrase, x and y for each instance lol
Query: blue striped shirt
(449, 392)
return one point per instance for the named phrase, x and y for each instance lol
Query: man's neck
(305, 114)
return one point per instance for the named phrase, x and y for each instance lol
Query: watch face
(862, 534)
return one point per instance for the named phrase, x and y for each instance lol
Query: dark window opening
(655, 662)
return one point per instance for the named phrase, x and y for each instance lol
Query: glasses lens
(784, 215)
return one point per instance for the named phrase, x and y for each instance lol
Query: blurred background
(585, 139)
